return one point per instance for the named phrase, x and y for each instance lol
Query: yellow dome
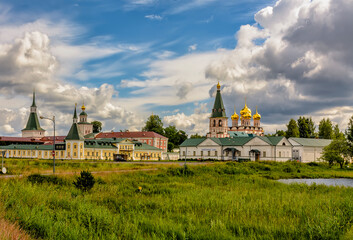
(235, 116)
(218, 86)
(83, 107)
(257, 116)
(245, 112)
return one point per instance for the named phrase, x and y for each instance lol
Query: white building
(308, 149)
(237, 148)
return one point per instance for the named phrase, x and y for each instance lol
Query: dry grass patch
(11, 231)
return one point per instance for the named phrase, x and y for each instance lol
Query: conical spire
(34, 99)
(75, 113)
(218, 107)
(74, 133)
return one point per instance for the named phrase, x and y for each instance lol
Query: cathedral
(218, 125)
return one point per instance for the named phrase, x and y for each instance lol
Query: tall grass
(221, 201)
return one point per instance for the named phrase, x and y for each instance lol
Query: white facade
(255, 149)
(307, 149)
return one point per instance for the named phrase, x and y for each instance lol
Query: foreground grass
(30, 166)
(220, 201)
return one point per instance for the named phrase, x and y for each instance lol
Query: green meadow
(214, 201)
(32, 166)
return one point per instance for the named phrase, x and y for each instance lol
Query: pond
(347, 182)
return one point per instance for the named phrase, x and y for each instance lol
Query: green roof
(83, 113)
(99, 144)
(27, 147)
(275, 139)
(33, 122)
(218, 107)
(192, 142)
(237, 141)
(144, 146)
(74, 133)
(238, 134)
(312, 142)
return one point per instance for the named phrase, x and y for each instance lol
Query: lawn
(218, 201)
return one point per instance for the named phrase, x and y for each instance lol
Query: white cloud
(192, 47)
(194, 123)
(154, 17)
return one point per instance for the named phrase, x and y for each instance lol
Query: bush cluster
(40, 179)
(85, 181)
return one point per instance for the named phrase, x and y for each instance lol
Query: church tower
(84, 126)
(218, 120)
(33, 128)
(75, 141)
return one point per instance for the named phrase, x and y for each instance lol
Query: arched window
(220, 123)
(214, 123)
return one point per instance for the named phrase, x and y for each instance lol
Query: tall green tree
(292, 129)
(196, 136)
(335, 152)
(306, 127)
(325, 129)
(97, 126)
(175, 137)
(311, 127)
(154, 124)
(337, 134)
(349, 136)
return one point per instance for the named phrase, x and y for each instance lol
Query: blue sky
(127, 59)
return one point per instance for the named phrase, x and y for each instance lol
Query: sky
(127, 59)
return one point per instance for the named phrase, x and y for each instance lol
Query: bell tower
(218, 120)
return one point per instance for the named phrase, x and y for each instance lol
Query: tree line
(175, 136)
(305, 127)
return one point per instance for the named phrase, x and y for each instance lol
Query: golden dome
(245, 112)
(235, 116)
(257, 116)
(83, 107)
(218, 85)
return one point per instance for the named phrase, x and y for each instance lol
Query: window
(264, 154)
(280, 154)
(75, 146)
(74, 154)
(183, 153)
(88, 154)
(215, 153)
(220, 123)
(194, 153)
(227, 153)
(214, 123)
(201, 153)
(209, 153)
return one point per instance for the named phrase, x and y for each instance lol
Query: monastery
(219, 121)
(81, 143)
(245, 141)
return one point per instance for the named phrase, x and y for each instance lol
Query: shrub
(40, 179)
(181, 171)
(313, 164)
(85, 181)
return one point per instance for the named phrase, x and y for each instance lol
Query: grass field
(30, 166)
(218, 201)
